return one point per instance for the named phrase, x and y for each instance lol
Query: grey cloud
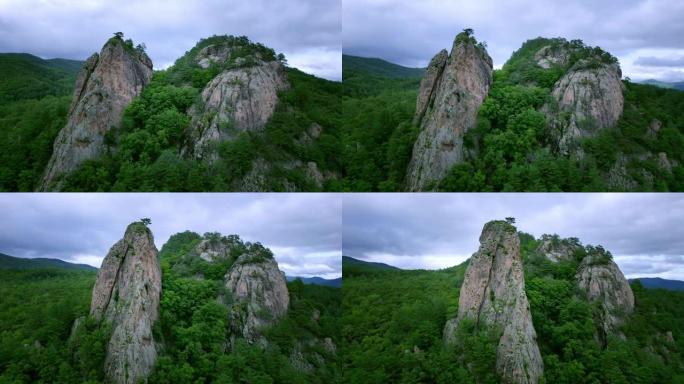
(410, 33)
(660, 61)
(74, 30)
(439, 230)
(78, 227)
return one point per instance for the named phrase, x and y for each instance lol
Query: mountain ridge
(12, 262)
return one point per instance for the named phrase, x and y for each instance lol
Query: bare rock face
(493, 294)
(237, 100)
(259, 293)
(427, 84)
(557, 249)
(586, 99)
(107, 83)
(604, 283)
(447, 107)
(551, 55)
(127, 294)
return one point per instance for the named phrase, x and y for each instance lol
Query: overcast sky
(303, 230)
(646, 35)
(431, 231)
(306, 31)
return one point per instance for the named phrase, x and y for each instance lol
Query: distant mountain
(11, 262)
(25, 76)
(657, 282)
(336, 283)
(378, 67)
(679, 85)
(352, 266)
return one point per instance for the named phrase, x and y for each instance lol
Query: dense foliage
(194, 324)
(27, 77)
(145, 153)
(37, 310)
(393, 322)
(39, 307)
(511, 149)
(567, 335)
(377, 132)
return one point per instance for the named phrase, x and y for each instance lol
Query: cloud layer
(303, 230)
(643, 231)
(308, 32)
(411, 32)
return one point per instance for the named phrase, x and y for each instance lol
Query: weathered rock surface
(427, 85)
(553, 55)
(604, 283)
(586, 99)
(237, 100)
(107, 83)
(449, 111)
(493, 295)
(557, 249)
(259, 294)
(126, 295)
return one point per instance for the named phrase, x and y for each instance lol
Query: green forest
(143, 153)
(39, 306)
(513, 150)
(393, 322)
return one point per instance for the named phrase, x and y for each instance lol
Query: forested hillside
(40, 343)
(34, 100)
(514, 145)
(297, 147)
(394, 322)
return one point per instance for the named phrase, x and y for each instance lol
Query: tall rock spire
(449, 98)
(493, 294)
(126, 295)
(107, 83)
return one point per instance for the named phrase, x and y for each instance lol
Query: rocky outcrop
(126, 295)
(107, 83)
(557, 249)
(604, 284)
(493, 295)
(237, 100)
(427, 85)
(455, 96)
(585, 100)
(258, 293)
(556, 54)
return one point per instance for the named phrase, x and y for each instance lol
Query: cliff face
(447, 107)
(107, 83)
(604, 284)
(258, 293)
(493, 294)
(585, 100)
(557, 249)
(127, 294)
(239, 99)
